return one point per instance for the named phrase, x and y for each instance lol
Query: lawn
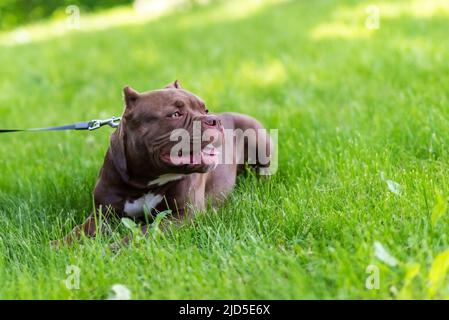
(360, 196)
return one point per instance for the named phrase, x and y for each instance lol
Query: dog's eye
(176, 114)
(207, 110)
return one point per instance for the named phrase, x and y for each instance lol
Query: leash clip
(112, 122)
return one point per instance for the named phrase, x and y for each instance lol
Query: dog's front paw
(67, 241)
(56, 244)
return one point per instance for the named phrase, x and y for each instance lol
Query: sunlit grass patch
(362, 184)
(355, 21)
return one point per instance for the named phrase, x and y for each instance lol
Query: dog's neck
(146, 181)
(166, 178)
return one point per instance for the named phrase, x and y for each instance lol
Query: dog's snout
(211, 121)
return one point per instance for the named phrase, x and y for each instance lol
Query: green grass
(354, 108)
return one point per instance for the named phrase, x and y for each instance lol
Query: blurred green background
(363, 118)
(16, 12)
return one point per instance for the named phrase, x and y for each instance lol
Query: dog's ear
(130, 95)
(117, 152)
(174, 85)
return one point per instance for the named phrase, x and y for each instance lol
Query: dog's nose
(211, 121)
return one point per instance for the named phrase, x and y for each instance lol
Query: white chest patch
(163, 179)
(149, 201)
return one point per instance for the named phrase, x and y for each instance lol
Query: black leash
(88, 125)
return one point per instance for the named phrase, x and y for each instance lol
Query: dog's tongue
(207, 157)
(186, 159)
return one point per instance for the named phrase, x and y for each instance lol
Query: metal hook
(112, 122)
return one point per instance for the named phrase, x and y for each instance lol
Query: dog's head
(166, 131)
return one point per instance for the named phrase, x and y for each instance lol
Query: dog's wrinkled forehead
(159, 101)
(167, 97)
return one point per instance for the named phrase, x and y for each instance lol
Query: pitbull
(144, 172)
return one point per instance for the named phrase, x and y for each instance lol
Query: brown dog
(143, 170)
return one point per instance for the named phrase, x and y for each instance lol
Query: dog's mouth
(208, 156)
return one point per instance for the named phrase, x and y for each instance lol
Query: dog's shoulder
(234, 120)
